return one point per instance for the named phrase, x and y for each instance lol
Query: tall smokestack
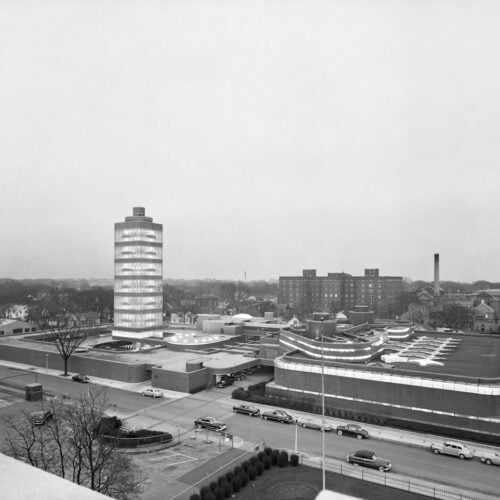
(436, 276)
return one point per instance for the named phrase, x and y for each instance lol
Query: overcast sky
(266, 136)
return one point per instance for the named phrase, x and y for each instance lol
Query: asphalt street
(406, 460)
(177, 416)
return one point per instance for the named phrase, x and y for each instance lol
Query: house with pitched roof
(485, 318)
(490, 296)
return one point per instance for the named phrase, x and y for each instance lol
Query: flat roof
(23, 481)
(474, 356)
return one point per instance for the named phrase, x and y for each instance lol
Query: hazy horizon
(267, 137)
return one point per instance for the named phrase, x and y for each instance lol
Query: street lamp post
(323, 402)
(46, 363)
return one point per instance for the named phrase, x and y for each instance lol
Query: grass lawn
(304, 483)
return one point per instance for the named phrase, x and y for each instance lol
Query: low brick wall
(191, 382)
(96, 367)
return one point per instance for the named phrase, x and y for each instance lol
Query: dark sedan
(352, 430)
(253, 411)
(278, 416)
(224, 382)
(210, 423)
(369, 459)
(83, 379)
(41, 417)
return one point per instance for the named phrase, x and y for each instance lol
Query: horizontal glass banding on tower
(138, 289)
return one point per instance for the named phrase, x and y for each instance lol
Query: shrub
(213, 485)
(252, 472)
(240, 393)
(219, 493)
(246, 464)
(209, 496)
(259, 388)
(109, 426)
(221, 480)
(253, 460)
(281, 461)
(294, 460)
(261, 455)
(229, 476)
(284, 454)
(195, 496)
(268, 451)
(260, 467)
(237, 470)
(274, 457)
(267, 462)
(244, 478)
(236, 481)
(204, 490)
(228, 489)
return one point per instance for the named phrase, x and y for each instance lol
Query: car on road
(253, 411)
(453, 448)
(83, 379)
(277, 415)
(368, 458)
(225, 381)
(311, 423)
(210, 423)
(41, 417)
(152, 392)
(492, 458)
(352, 430)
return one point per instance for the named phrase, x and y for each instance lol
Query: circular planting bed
(291, 490)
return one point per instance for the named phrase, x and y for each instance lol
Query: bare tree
(70, 446)
(453, 316)
(66, 339)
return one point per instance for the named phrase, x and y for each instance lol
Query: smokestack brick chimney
(436, 277)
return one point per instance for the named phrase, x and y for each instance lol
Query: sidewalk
(116, 384)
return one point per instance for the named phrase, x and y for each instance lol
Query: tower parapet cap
(138, 214)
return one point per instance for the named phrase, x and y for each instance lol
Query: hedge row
(232, 481)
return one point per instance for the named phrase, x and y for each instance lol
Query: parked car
(152, 392)
(238, 375)
(490, 458)
(41, 417)
(312, 423)
(253, 411)
(278, 416)
(210, 423)
(249, 371)
(369, 459)
(83, 379)
(225, 381)
(352, 430)
(452, 448)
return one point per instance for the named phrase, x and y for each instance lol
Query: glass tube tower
(138, 277)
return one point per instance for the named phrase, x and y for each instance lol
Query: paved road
(178, 416)
(126, 401)
(406, 460)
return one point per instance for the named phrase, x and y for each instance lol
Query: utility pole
(323, 402)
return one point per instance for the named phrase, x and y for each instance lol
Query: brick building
(341, 291)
